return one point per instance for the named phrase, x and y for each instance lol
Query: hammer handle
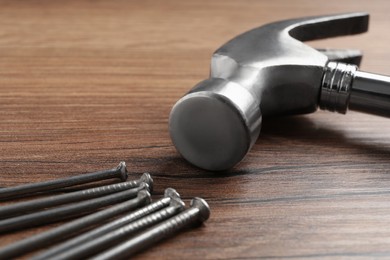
(370, 93)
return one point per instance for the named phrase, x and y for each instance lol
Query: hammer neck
(336, 86)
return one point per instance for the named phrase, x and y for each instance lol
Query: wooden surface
(86, 84)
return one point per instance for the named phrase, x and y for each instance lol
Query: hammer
(268, 71)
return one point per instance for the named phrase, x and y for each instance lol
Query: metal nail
(169, 195)
(67, 211)
(198, 212)
(27, 189)
(33, 205)
(118, 235)
(74, 227)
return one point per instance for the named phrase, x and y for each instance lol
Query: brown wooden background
(86, 84)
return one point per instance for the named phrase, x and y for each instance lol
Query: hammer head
(266, 71)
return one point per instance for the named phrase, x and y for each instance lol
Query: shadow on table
(304, 129)
(277, 134)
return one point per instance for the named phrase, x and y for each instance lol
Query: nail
(62, 232)
(33, 205)
(169, 195)
(116, 236)
(67, 211)
(27, 189)
(198, 212)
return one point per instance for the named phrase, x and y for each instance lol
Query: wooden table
(86, 84)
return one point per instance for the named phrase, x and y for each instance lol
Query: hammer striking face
(266, 71)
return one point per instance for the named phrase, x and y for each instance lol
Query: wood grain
(86, 84)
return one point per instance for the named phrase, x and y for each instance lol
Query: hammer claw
(321, 27)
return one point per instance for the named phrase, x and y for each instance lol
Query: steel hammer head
(266, 71)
